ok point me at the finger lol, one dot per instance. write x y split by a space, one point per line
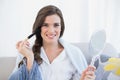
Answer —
26 41
26 44
91 73
83 74
91 68
18 44
88 77
21 44
91 77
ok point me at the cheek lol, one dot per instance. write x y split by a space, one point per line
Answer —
43 30
58 31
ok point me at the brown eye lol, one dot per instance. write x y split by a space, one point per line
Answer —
56 25
45 25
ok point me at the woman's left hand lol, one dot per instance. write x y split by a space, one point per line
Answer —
89 73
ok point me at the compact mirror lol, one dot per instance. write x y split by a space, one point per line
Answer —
97 42
96 45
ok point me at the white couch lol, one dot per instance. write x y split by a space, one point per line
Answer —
7 63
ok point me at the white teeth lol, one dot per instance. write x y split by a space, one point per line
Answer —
50 36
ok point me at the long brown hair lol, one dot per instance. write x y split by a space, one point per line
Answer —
42 14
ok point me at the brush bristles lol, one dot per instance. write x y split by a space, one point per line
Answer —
33 34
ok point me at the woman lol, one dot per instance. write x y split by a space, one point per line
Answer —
50 58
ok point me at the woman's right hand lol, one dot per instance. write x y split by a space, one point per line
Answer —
24 48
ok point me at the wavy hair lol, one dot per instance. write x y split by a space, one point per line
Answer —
40 18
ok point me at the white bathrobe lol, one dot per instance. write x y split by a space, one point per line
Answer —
75 55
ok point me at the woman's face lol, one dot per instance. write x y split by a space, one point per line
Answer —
51 28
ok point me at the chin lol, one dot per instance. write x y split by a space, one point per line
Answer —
51 41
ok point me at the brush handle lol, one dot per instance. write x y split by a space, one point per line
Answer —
31 35
94 58
37 31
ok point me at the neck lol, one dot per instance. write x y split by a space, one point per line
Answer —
52 50
51 46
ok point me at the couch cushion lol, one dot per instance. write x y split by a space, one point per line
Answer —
7 65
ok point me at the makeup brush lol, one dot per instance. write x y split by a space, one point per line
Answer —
36 32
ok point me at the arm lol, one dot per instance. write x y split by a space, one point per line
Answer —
29 69
22 73
25 50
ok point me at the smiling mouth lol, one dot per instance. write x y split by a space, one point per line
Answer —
51 36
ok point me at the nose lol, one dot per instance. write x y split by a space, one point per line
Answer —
51 29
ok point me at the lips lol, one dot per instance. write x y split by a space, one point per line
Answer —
51 36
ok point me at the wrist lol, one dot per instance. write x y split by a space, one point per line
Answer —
30 60
30 56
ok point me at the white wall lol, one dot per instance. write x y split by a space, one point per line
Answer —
17 18
82 17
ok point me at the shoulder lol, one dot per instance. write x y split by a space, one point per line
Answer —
72 51
70 46
75 55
